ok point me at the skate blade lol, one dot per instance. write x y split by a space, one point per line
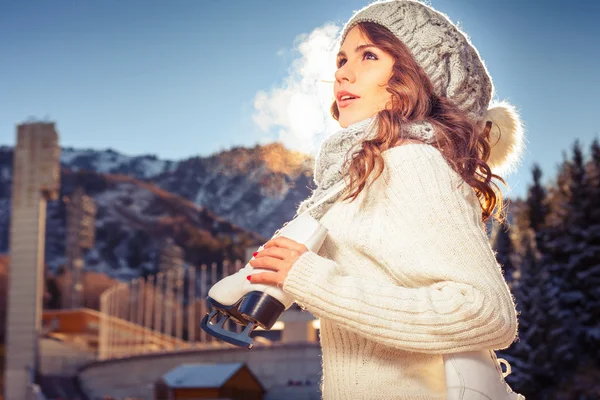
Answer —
217 330
232 311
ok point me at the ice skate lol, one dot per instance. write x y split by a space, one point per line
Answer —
250 304
477 375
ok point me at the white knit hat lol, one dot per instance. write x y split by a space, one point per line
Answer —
454 67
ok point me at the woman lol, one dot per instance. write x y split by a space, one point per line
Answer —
406 273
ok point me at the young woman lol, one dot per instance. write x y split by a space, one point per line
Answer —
406 273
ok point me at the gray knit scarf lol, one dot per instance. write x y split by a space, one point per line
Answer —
330 160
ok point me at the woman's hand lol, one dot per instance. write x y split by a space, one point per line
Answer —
279 254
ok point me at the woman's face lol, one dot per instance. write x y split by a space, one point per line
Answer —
361 78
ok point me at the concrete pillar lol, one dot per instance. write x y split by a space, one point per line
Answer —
36 179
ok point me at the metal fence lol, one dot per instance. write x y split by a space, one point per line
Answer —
161 312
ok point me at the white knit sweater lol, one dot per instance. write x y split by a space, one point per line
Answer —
406 273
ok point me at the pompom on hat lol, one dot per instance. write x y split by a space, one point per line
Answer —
454 67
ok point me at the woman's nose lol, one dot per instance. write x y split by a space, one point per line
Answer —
345 73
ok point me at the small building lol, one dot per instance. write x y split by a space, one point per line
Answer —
232 381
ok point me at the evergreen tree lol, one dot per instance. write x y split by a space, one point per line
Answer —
558 290
504 248
541 330
537 209
541 333
572 259
590 275
576 228
556 250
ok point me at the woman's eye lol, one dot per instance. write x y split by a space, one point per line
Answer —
369 56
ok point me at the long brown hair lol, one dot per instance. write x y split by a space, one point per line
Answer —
460 140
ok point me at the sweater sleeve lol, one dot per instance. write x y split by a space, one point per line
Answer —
448 293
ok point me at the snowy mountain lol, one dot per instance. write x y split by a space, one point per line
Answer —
212 206
256 188
109 161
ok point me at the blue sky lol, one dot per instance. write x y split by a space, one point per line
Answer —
182 78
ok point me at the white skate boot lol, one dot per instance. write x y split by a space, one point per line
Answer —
251 304
477 375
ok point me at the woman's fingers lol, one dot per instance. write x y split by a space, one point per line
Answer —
275 252
278 255
267 278
282 241
266 262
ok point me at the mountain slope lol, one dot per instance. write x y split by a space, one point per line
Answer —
212 206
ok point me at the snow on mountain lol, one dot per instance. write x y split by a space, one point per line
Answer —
212 206
109 161
257 188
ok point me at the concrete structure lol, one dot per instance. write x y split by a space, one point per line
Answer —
287 371
81 234
36 179
298 327
62 358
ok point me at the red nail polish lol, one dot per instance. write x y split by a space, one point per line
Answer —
248 277
254 254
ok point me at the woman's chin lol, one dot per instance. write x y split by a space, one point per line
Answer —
346 122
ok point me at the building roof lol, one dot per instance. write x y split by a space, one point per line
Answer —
205 375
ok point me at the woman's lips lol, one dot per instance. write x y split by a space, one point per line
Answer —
345 103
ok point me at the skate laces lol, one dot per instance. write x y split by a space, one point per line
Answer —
499 362
508 369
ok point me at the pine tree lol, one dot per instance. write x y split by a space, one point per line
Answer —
590 277
523 378
536 202
541 333
576 226
558 292
572 259
504 248
556 250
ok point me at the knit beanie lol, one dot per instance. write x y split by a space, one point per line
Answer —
454 67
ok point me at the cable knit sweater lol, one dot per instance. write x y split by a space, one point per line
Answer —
406 274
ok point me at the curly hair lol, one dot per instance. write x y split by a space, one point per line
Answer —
463 142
